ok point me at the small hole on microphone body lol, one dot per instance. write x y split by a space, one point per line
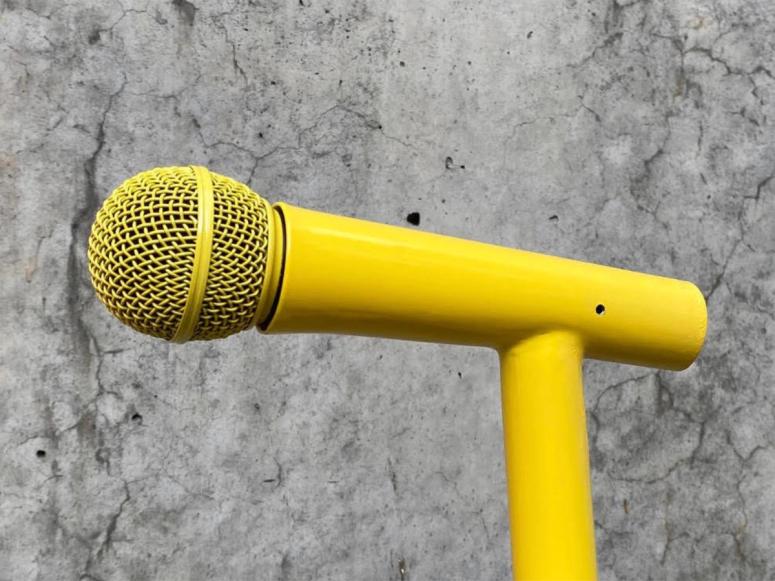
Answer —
600 309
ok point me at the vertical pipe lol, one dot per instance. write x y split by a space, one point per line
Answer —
547 461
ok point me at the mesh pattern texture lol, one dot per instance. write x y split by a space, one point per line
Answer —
142 245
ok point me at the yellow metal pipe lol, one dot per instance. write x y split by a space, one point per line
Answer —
343 275
542 313
547 463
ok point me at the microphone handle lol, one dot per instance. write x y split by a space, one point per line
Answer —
349 276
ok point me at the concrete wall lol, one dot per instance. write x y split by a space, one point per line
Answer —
631 133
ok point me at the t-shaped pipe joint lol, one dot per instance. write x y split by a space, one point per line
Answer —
543 314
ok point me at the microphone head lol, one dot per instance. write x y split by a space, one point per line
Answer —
182 253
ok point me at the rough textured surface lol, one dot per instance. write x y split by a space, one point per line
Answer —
632 133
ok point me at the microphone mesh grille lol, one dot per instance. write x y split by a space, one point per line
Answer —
141 253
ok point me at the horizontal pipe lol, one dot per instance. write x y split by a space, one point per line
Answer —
349 276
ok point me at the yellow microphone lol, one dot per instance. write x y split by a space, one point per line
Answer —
183 253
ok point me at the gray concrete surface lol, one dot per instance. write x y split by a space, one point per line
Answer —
632 133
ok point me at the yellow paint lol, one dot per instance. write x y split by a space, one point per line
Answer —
202 253
315 272
543 314
183 253
547 466
274 263
343 275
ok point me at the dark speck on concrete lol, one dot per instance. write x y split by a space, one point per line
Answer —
94 37
554 218
449 163
413 218
402 63
187 10
530 34
285 568
159 19
40 453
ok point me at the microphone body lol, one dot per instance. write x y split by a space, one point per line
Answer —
349 276
182 253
